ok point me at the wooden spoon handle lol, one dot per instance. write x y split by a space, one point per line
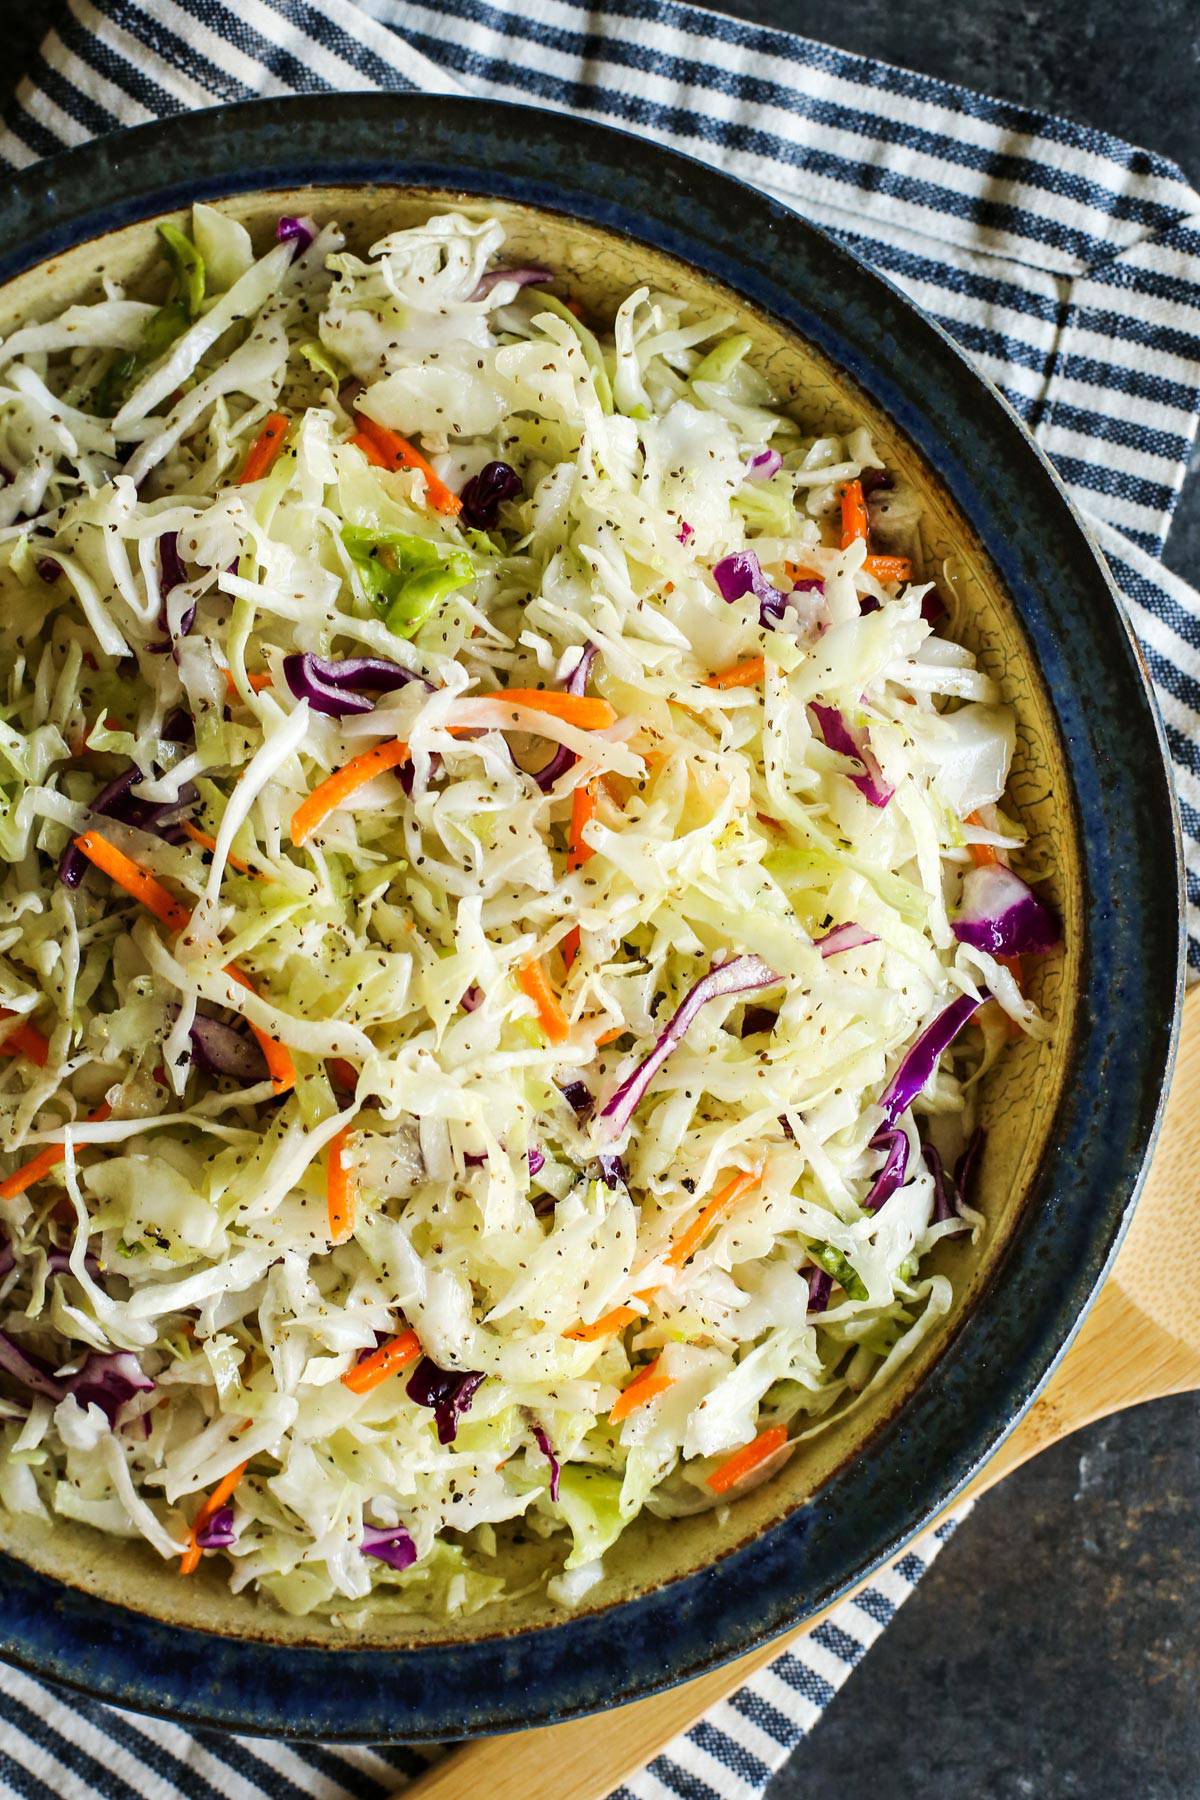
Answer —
1121 1356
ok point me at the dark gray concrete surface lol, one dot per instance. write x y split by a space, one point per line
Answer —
1054 1650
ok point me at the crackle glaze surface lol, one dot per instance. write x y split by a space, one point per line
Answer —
1069 1121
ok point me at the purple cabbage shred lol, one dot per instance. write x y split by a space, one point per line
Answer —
449 1392
483 495
391 1544
543 1443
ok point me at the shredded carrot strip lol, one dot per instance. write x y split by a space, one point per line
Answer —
339 1188
798 572
584 710
396 1354
694 1236
607 1325
743 1461
743 674
570 948
395 452
265 448
24 1040
856 520
256 683
337 788
280 1066
609 1037
45 1160
133 878
535 982
362 442
210 843
208 1510
583 810
642 1389
982 855
889 568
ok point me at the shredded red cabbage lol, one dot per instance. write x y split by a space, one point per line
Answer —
968 1163
579 1097
223 1050
536 1159
1003 916
529 276
543 1444
741 574
840 736
741 975
946 1198
115 801
30 1371
329 686
391 1544
171 574
922 1059
763 465
109 1382
685 534
844 937
298 231
483 495
564 759
612 1170
895 1167
820 1286
48 568
218 1533
448 1391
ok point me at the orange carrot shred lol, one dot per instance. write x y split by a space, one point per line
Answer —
337 788
280 1066
607 1325
694 1236
210 843
982 855
743 674
133 878
889 568
583 810
256 683
609 1037
747 1459
340 1188
396 1354
395 452
265 448
24 1040
798 572
535 982
586 711
45 1160
208 1510
642 1389
856 520
570 948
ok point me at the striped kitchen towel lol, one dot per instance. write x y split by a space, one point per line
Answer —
1067 264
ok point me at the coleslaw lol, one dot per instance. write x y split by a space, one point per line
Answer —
507 900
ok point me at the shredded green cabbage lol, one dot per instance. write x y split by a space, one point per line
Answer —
155 611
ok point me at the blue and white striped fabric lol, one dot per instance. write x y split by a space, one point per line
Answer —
1066 262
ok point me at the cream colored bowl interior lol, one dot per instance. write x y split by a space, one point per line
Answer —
1021 1097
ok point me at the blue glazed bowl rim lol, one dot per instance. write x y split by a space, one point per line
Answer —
1131 973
